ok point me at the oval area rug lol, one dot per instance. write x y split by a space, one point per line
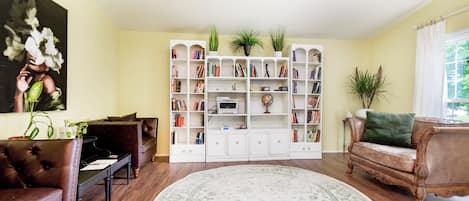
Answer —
259 183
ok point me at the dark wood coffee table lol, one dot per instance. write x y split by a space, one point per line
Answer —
87 179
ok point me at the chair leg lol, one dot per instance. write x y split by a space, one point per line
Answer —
420 194
136 172
153 159
349 167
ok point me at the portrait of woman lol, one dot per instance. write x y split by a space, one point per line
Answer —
33 49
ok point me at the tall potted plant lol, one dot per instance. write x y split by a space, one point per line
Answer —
278 42
213 42
246 40
367 87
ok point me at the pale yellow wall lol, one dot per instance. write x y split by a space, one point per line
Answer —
144 77
395 50
92 69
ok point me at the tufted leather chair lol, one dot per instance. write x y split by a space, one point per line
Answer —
39 169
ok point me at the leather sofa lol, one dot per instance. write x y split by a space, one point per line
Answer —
438 162
39 169
138 137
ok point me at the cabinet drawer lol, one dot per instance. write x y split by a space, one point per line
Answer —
216 145
258 145
279 144
237 145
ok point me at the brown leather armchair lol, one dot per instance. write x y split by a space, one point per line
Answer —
138 138
438 163
39 169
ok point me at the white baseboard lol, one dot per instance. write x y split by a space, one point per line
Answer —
162 155
333 151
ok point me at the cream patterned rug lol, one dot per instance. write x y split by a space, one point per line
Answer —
259 183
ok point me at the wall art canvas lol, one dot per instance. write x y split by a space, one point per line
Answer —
33 49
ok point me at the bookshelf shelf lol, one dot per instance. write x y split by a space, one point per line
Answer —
187 101
269 92
271 114
227 115
306 107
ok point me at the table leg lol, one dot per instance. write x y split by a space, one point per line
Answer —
108 187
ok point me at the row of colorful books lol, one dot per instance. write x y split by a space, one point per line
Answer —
313 117
313 102
253 70
316 88
316 73
178 105
283 71
214 69
313 135
199 71
175 85
199 53
199 87
240 70
199 105
294 118
199 139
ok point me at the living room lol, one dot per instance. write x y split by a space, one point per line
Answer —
118 60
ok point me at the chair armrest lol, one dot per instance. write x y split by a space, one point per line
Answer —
119 137
442 156
151 123
357 128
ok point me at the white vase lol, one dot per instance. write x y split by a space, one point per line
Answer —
278 54
361 113
212 53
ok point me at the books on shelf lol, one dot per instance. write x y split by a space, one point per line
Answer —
294 118
178 105
199 105
173 54
200 71
316 88
199 53
283 71
175 71
313 102
267 73
199 139
315 73
178 120
293 102
253 70
295 73
293 55
313 135
240 70
313 117
176 86
199 87
295 135
295 86
214 69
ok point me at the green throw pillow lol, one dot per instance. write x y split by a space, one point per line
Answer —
393 129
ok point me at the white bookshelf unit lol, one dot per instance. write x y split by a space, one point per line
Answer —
306 101
250 133
187 101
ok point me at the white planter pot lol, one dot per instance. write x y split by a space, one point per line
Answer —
361 113
278 54
212 53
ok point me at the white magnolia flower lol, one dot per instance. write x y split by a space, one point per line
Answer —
48 53
31 18
14 45
33 49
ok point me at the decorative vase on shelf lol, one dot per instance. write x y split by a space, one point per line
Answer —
361 113
247 50
278 54
212 53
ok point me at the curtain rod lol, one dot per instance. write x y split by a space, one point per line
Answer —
438 19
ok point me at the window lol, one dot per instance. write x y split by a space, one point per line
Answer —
457 72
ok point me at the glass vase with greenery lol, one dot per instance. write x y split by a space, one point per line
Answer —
246 40
213 40
367 87
278 41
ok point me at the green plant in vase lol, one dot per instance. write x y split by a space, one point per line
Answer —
33 97
246 40
367 87
81 129
213 41
278 42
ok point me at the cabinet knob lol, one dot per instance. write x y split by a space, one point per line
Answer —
259 142
190 151
278 141
237 142
217 143
184 150
309 148
304 148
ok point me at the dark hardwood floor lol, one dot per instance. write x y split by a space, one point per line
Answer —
158 175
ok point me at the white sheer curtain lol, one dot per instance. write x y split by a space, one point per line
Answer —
430 78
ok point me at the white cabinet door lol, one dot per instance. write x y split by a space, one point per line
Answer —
237 145
258 144
216 145
279 144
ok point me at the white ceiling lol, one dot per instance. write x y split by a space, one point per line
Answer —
340 19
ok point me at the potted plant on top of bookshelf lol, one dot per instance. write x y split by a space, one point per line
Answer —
213 42
278 42
246 40
33 130
367 87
